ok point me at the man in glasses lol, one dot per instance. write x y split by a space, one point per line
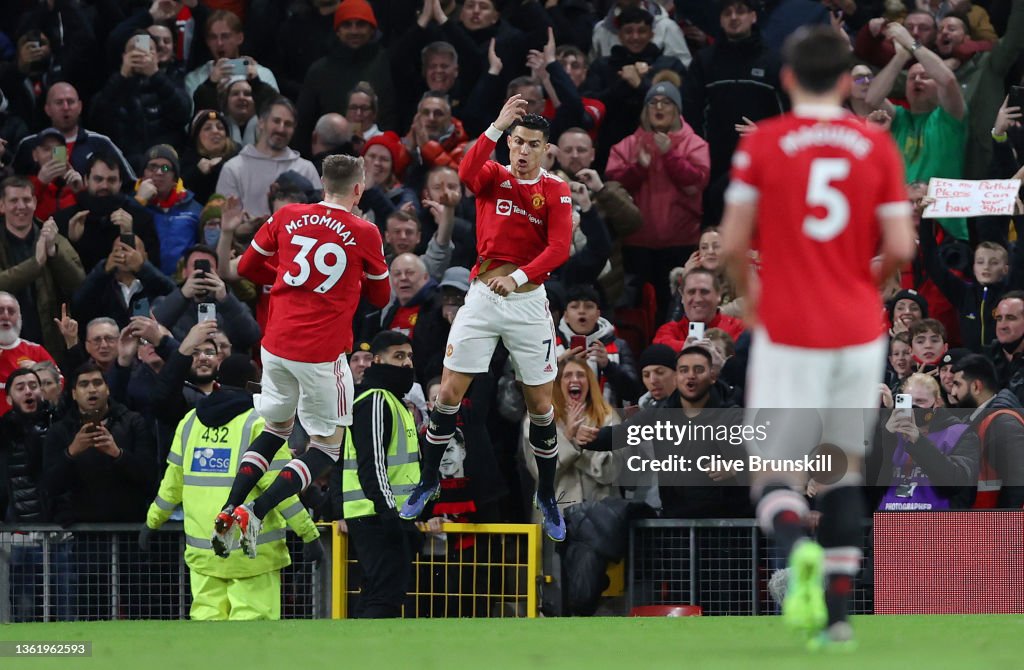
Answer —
174 208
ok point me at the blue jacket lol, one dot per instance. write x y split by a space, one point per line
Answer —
178 229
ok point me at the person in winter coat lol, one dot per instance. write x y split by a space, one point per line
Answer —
140 105
608 355
1001 433
665 166
354 57
580 476
622 79
210 147
208 446
101 454
995 272
736 77
174 208
667 35
932 462
249 175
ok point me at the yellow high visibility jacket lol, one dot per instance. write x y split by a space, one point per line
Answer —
201 467
402 456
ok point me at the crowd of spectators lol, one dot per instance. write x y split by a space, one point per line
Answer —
143 143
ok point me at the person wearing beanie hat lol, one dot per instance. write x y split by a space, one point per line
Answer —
209 147
174 208
353 12
209 221
236 588
658 372
664 165
355 56
905 309
609 356
385 162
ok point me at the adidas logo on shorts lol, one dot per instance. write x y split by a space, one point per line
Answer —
506 184
548 368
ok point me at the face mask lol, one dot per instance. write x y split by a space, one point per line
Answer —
211 236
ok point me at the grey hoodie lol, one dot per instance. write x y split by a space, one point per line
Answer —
250 174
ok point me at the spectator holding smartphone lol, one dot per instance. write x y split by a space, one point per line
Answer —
179 310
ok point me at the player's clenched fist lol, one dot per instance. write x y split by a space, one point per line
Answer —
502 285
514 109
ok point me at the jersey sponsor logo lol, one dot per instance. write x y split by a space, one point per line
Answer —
507 208
565 200
211 460
506 184
538 201
449 350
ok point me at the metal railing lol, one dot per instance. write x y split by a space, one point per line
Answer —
97 571
475 570
723 565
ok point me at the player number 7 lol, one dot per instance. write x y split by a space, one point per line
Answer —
821 193
332 271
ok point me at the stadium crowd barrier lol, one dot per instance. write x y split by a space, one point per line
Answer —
98 572
914 562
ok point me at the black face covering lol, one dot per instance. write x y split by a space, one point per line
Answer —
397 380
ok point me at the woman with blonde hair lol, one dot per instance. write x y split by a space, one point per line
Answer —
929 458
580 475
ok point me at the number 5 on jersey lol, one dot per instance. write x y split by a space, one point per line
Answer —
821 193
332 271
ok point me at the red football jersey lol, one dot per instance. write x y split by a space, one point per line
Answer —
321 252
527 223
19 355
821 179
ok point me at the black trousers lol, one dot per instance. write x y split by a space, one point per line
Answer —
385 559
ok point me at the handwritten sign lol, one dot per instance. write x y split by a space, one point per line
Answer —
956 198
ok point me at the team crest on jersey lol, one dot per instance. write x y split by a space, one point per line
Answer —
412 319
449 350
538 200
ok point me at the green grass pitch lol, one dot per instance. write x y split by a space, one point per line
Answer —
733 643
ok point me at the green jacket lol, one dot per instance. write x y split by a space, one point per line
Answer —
52 284
201 467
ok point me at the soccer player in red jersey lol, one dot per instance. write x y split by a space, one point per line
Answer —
523 224
320 258
819 194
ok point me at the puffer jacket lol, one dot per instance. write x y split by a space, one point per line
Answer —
22 496
667 191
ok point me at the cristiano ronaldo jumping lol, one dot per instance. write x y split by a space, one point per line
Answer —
524 222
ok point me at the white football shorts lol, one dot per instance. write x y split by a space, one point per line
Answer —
522 322
322 393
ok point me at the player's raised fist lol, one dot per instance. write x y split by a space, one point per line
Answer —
514 109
